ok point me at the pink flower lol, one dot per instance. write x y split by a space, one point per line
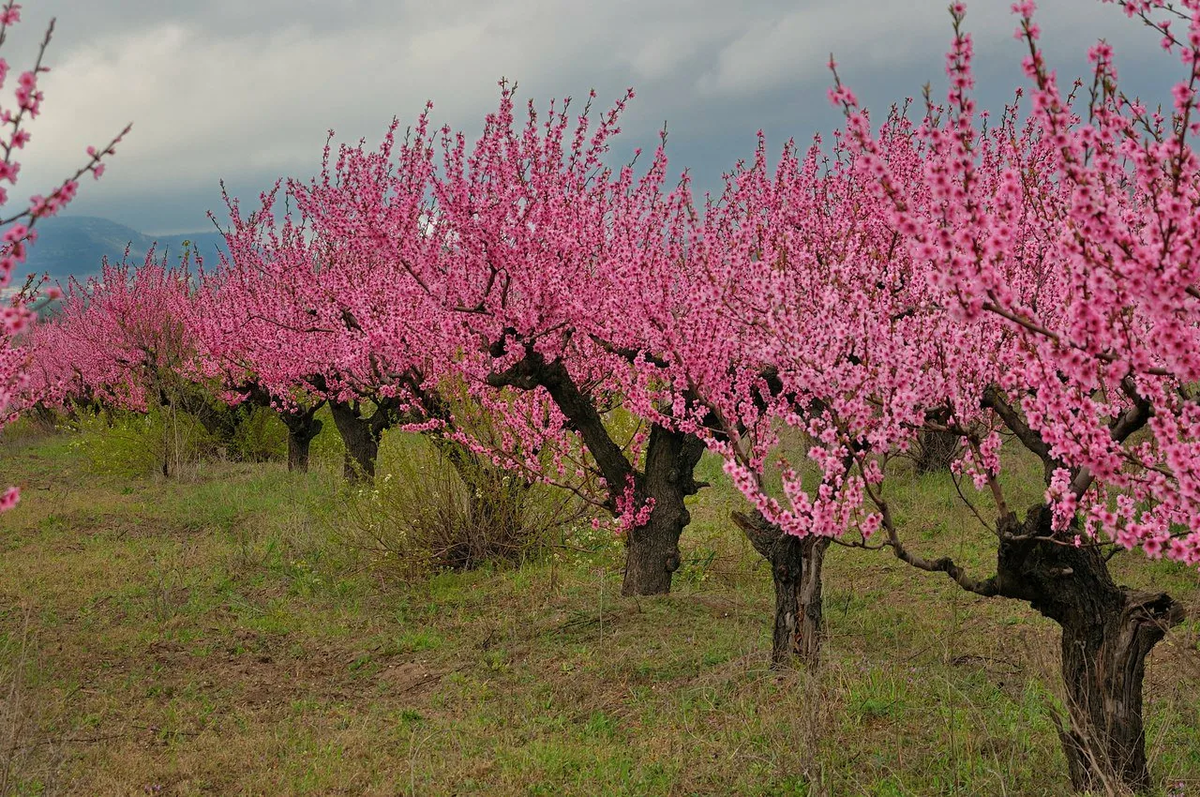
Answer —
16 232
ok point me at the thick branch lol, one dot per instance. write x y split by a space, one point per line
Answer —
987 588
628 354
1121 429
533 371
994 399
763 534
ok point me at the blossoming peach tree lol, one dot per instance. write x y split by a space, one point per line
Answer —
498 265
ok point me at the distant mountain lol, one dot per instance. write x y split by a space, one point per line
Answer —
75 245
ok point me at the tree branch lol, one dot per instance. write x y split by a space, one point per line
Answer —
995 400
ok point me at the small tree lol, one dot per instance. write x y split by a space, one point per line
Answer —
504 261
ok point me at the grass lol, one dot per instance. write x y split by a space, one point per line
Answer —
214 634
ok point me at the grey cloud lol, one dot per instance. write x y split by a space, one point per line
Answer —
246 90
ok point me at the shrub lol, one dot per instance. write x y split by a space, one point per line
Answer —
259 436
120 443
424 513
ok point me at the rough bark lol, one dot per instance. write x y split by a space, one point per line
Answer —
361 435
299 420
302 429
1107 633
796 570
652 551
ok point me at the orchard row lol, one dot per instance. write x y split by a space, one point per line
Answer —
1030 276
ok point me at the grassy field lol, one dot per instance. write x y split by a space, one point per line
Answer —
217 634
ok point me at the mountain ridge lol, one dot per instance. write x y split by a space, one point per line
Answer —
75 246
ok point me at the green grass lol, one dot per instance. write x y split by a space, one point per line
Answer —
213 634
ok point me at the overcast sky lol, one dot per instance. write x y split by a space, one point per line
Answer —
246 89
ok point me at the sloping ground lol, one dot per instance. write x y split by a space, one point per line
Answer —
216 636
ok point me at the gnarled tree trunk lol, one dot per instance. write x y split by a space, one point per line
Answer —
652 551
1107 633
796 570
361 436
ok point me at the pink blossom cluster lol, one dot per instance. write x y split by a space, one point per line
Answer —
1028 275
968 274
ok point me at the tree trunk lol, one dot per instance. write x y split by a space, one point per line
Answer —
1107 632
298 452
361 439
652 550
796 570
302 429
1104 662
300 421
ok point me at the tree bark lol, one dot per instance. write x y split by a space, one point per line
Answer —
299 420
652 551
361 436
1107 633
796 570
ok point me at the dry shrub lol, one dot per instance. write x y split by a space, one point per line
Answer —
933 451
436 507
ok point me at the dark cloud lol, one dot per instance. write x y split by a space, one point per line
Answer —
246 90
